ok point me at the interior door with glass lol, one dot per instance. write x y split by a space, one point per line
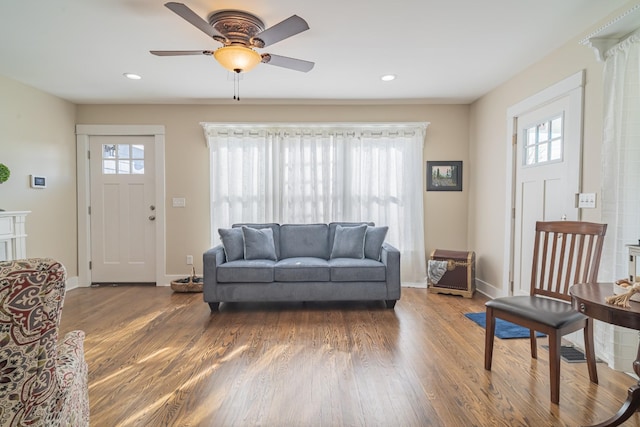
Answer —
122 209
548 157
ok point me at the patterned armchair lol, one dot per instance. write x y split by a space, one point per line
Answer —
42 382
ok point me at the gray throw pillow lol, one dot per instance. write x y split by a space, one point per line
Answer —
373 240
232 242
258 243
349 242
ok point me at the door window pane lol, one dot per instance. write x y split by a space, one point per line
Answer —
122 159
138 166
108 151
543 142
108 167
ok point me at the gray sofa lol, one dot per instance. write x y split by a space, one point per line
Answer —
302 262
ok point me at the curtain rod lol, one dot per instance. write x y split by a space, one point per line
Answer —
317 125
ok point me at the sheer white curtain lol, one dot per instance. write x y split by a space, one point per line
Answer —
322 173
621 156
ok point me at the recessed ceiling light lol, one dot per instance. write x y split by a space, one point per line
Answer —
388 77
132 76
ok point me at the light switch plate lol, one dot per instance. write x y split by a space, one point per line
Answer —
587 200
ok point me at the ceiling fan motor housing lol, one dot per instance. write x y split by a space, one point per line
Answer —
237 27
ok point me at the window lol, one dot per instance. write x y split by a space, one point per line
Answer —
543 142
122 159
319 174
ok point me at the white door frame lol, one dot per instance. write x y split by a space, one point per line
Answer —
83 135
547 95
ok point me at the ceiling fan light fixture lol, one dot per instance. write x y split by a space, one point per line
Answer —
237 58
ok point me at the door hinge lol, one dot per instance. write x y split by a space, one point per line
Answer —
89 210
514 139
89 155
513 213
90 265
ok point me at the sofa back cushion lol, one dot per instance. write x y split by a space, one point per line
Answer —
304 240
273 226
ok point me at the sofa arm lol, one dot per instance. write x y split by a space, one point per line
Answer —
390 257
211 259
72 374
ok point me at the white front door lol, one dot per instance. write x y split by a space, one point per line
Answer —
547 179
123 205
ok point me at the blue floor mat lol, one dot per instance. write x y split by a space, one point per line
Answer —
504 329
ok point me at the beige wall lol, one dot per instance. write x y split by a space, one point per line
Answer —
187 160
37 136
489 141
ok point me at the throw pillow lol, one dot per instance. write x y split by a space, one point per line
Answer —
373 240
258 243
349 242
232 242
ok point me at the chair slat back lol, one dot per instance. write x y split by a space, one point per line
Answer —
565 253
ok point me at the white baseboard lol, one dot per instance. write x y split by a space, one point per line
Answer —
72 283
489 290
421 285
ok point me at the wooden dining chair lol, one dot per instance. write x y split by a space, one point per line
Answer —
565 253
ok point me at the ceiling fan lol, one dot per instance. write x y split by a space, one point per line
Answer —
240 32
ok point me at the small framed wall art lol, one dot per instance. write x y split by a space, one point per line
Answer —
444 175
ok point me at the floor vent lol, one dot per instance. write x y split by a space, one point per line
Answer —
571 354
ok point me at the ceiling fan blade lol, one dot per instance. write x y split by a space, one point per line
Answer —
285 29
194 19
286 62
180 52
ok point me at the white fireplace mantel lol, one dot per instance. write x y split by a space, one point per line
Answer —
13 237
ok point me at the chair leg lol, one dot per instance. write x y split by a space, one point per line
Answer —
490 331
589 351
554 365
534 344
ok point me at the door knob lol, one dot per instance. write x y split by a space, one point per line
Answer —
152 217
152 207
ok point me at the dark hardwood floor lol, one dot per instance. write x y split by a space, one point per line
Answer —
158 358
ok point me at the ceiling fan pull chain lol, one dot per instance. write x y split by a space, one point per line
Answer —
236 84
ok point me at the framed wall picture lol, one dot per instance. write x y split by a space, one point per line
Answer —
444 175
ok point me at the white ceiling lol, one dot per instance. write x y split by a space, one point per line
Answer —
441 50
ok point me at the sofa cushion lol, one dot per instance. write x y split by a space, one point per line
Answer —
258 243
334 225
246 271
232 242
373 240
302 269
349 242
357 270
272 225
304 240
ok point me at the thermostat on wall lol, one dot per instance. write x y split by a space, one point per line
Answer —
38 181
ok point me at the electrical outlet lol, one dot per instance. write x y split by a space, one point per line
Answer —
179 202
189 259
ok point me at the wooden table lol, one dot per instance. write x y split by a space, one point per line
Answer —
589 299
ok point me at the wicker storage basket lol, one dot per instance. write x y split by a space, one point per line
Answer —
190 284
